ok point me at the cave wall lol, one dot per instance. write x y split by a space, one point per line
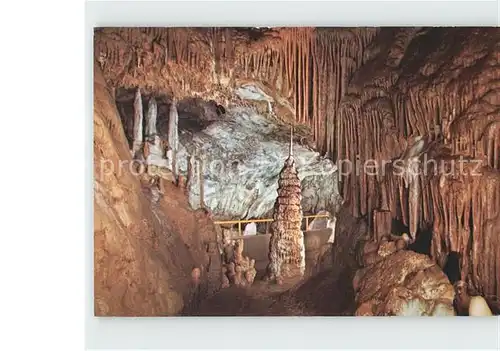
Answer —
143 252
440 84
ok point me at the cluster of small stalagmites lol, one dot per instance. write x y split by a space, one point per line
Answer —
237 269
399 282
287 240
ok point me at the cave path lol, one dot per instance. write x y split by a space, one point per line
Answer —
308 297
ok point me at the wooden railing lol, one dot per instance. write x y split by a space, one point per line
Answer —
265 220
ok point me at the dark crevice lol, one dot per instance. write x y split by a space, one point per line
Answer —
452 267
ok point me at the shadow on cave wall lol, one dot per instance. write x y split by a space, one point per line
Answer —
423 245
424 237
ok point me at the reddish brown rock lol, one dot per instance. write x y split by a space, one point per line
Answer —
181 182
225 279
386 248
137 256
366 309
404 283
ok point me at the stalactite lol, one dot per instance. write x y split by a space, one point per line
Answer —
138 117
173 137
151 118
307 56
191 172
313 84
229 49
335 77
288 63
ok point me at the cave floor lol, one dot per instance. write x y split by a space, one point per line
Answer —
266 299
260 299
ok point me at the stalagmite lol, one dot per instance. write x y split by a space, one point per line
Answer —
475 306
413 204
193 182
138 117
331 225
478 307
237 269
286 247
191 171
151 119
173 137
201 176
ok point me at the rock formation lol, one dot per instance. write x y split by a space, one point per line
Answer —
470 305
243 158
402 283
142 264
138 117
237 269
332 225
286 247
416 81
307 68
173 138
151 120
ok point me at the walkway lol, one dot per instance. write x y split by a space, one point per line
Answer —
305 219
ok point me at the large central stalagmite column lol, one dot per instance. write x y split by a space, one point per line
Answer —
286 247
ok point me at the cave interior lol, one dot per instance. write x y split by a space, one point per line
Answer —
352 96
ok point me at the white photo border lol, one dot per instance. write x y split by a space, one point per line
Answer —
275 332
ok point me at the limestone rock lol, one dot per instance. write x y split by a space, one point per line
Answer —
468 304
387 248
365 309
403 283
244 156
